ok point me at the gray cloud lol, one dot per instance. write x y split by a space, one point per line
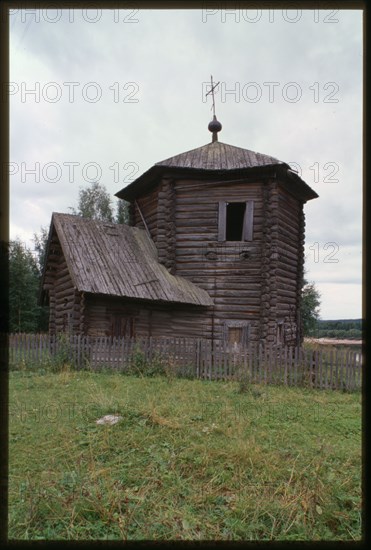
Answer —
168 55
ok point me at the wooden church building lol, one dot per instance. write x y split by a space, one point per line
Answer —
214 249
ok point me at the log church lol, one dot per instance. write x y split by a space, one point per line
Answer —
214 249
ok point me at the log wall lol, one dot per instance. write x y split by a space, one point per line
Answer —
166 225
148 207
257 282
104 314
290 264
65 302
268 268
229 271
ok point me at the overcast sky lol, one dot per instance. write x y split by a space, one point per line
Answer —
103 95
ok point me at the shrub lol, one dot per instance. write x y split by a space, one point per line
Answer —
141 367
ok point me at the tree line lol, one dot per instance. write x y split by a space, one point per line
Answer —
26 267
341 328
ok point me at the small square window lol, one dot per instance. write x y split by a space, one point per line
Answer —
236 333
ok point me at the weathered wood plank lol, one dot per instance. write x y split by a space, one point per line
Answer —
222 211
290 366
248 221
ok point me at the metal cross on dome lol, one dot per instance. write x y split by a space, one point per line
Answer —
211 91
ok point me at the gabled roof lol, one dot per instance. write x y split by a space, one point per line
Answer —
119 260
215 159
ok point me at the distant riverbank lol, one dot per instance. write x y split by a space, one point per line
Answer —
327 341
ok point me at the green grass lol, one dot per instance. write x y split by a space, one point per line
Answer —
190 460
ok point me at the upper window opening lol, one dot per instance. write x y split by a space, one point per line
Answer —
234 223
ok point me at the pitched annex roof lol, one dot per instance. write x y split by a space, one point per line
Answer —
119 260
215 158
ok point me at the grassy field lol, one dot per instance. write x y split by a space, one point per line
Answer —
189 460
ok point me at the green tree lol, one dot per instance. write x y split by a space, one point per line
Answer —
122 211
94 203
40 241
310 307
24 311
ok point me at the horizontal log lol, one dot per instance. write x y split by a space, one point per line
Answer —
206 268
223 307
288 294
235 296
63 304
63 298
55 257
289 218
285 310
149 201
63 277
288 247
285 285
288 268
64 285
185 245
63 273
209 196
289 202
235 267
288 235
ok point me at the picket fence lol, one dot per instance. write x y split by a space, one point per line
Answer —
325 368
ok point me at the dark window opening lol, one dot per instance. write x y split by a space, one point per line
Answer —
235 221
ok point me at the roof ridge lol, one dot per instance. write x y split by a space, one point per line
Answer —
83 219
197 158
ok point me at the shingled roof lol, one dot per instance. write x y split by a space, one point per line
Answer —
210 160
219 156
119 260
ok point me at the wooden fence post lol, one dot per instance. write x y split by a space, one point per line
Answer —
201 358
